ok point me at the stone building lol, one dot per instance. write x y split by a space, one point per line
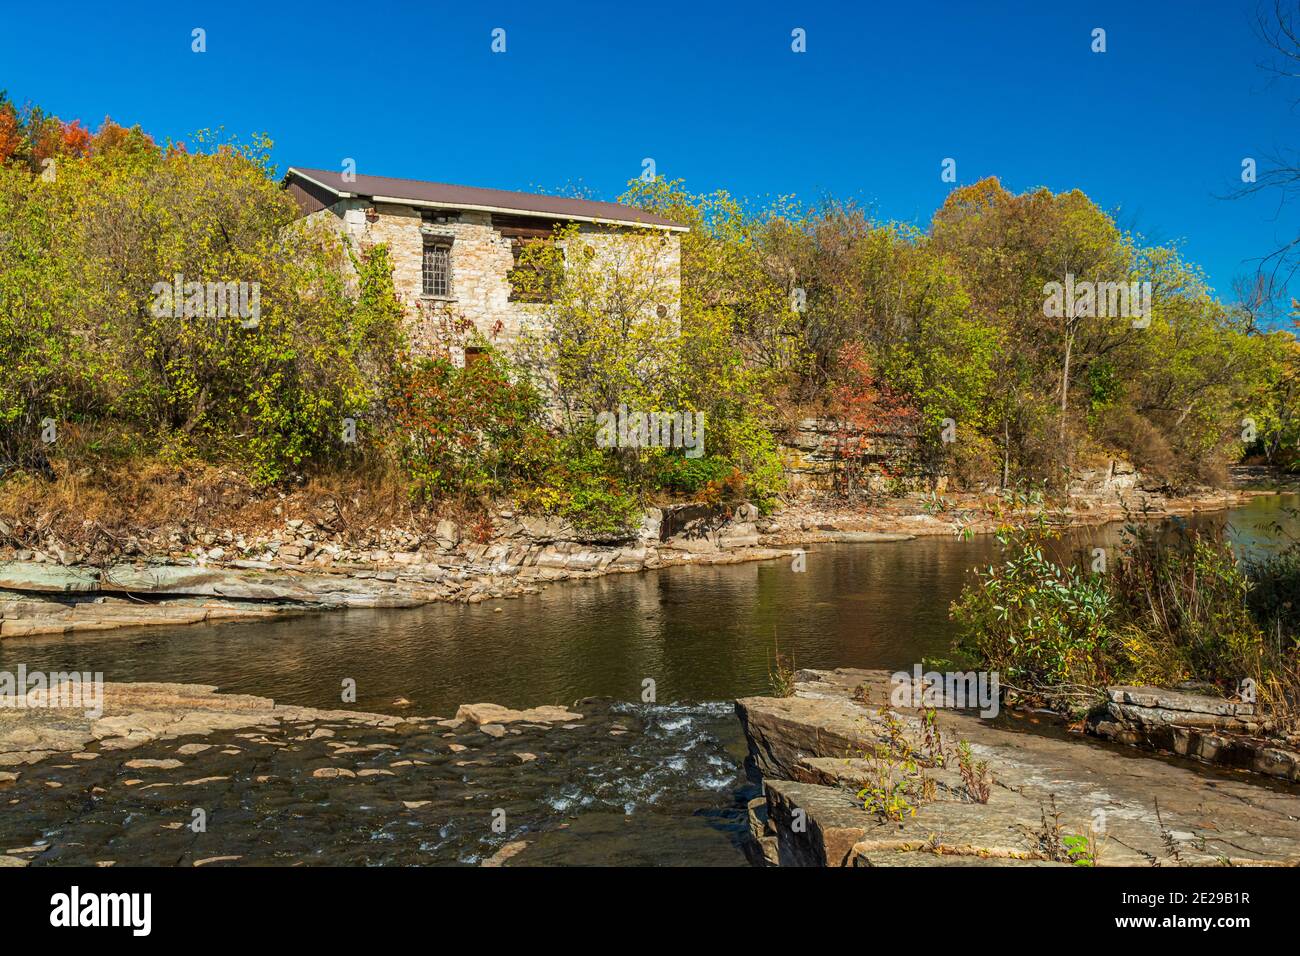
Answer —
455 248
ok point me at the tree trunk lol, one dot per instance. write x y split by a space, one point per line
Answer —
1065 392
1006 449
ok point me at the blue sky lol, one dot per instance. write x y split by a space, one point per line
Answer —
1155 128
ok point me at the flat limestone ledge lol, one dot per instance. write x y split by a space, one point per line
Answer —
821 719
1165 717
815 751
1161 699
285 585
1266 756
42 599
27 615
804 525
835 831
867 537
1261 755
134 714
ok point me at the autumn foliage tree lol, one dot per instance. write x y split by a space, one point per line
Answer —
867 413
11 133
955 317
773 313
32 137
84 342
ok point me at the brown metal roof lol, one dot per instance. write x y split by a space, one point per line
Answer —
445 195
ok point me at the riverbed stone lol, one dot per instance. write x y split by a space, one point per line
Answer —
153 764
135 714
506 853
481 714
329 773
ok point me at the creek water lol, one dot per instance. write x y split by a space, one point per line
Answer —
651 783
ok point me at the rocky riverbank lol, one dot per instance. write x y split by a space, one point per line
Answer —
1027 794
302 568
196 573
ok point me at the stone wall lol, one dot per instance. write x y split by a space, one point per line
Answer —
481 259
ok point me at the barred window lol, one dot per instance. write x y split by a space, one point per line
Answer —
436 270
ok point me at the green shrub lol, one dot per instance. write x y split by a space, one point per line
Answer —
583 484
689 476
1274 599
470 431
1174 606
1181 608
1037 624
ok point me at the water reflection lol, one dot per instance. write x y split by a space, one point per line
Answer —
701 634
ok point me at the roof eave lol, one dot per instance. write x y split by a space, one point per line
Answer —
473 207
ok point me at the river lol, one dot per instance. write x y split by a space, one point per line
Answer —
670 790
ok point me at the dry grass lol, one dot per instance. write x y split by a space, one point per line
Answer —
96 506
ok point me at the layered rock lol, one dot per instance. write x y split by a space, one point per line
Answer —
818 749
304 569
1203 727
814 447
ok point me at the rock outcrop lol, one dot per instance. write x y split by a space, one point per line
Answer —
1199 726
1052 798
303 569
813 448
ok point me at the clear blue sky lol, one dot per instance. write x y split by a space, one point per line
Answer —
1155 128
